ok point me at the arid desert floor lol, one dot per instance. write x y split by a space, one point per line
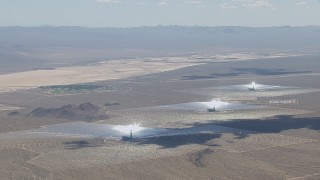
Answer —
76 131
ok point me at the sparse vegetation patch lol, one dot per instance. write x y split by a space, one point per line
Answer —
74 89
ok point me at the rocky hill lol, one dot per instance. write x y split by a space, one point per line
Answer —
85 111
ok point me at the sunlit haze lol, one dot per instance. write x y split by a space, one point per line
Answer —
129 13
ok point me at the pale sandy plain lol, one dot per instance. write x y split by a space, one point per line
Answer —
8 108
114 69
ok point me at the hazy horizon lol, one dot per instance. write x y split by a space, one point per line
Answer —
137 13
155 26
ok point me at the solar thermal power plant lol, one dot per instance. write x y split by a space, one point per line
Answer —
159 90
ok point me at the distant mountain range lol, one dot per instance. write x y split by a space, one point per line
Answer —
161 37
34 48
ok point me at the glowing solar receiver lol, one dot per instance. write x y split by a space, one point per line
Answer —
129 129
252 88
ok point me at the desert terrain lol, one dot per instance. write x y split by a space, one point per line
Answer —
69 122
169 102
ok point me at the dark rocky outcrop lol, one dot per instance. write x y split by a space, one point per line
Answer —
85 111
112 104
13 113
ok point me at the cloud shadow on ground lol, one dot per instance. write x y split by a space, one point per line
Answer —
180 140
246 128
243 71
80 144
274 125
